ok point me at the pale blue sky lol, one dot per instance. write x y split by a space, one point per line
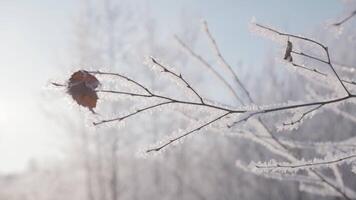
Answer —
36 34
228 20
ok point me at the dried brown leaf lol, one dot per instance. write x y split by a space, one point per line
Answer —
81 86
288 53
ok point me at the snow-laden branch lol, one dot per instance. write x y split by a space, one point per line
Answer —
316 163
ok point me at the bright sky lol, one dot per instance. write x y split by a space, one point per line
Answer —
35 36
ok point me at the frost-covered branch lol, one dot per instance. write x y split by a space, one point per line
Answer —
240 84
320 73
308 69
223 60
309 164
123 77
133 113
171 100
325 48
283 146
241 114
210 68
313 69
179 76
229 112
302 116
232 110
188 133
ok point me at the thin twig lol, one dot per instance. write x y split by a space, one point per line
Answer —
123 77
133 113
165 69
188 133
289 107
302 116
320 73
58 84
237 80
306 165
335 187
124 93
315 70
345 19
325 48
176 101
222 59
306 68
310 56
336 74
210 68
291 35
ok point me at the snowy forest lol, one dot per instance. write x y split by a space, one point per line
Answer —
152 113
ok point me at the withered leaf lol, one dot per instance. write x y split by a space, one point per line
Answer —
288 55
81 86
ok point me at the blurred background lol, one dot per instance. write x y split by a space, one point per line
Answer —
48 146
